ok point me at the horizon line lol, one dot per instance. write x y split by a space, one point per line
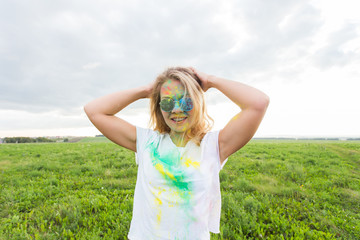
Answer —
257 137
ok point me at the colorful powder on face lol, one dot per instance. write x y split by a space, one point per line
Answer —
170 89
175 90
186 125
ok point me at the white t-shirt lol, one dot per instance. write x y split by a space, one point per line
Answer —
177 193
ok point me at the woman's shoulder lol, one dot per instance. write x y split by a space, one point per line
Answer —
147 132
210 136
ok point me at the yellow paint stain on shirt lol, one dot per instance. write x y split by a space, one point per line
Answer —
158 201
158 216
175 193
174 196
160 168
188 162
161 190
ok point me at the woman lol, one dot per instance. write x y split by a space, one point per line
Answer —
177 193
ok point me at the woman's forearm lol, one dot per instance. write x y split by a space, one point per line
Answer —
115 102
241 94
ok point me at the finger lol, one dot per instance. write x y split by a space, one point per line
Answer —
193 69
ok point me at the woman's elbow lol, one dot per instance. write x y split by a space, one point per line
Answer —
263 103
88 111
266 101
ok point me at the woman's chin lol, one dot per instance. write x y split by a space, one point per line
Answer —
179 128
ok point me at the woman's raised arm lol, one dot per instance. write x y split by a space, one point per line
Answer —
242 127
101 113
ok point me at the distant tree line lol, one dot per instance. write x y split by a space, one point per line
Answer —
26 140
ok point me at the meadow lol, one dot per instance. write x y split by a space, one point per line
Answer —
270 190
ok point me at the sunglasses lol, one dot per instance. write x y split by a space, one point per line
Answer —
168 104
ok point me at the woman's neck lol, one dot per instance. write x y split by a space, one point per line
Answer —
179 139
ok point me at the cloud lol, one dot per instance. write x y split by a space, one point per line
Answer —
334 52
61 57
57 56
21 120
275 29
91 65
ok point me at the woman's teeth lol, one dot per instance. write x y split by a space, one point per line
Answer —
178 119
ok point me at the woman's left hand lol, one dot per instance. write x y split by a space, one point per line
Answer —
204 78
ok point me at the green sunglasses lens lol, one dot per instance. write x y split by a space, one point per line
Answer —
167 104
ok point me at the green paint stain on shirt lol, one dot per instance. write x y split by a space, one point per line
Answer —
169 165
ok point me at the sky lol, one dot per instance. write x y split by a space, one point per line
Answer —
56 56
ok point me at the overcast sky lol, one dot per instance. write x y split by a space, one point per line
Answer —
55 56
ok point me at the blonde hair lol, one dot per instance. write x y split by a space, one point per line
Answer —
202 121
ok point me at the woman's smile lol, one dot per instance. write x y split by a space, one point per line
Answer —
179 120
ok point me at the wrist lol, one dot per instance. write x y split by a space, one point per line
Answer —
212 81
145 91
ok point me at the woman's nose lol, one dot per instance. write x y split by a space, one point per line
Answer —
177 107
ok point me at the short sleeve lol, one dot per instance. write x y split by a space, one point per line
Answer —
142 136
213 140
218 150
212 153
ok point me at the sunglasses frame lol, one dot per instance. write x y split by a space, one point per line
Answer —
179 102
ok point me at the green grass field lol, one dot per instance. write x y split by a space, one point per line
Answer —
270 190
